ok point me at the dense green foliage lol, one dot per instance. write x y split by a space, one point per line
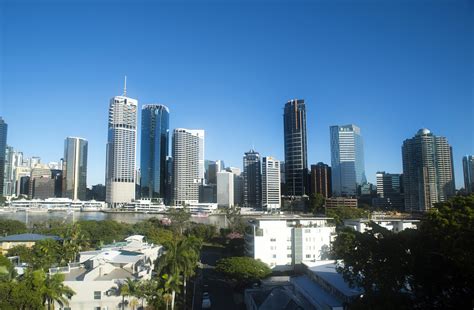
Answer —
343 213
316 203
428 268
243 270
11 227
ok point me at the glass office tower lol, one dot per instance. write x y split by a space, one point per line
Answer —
154 151
75 168
347 160
296 163
3 146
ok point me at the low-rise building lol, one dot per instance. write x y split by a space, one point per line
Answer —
320 287
97 276
285 241
335 202
27 240
395 225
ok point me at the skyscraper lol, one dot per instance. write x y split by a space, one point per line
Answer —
188 169
389 191
252 180
154 150
468 169
347 160
428 174
321 180
238 185
75 168
8 179
121 150
225 189
3 145
296 163
271 195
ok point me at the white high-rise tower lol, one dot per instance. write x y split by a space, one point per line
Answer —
188 165
121 150
271 195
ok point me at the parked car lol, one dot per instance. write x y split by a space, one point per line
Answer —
206 301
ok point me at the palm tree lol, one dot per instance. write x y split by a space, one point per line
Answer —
180 259
54 291
172 283
74 243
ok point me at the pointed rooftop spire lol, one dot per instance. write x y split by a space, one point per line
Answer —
125 87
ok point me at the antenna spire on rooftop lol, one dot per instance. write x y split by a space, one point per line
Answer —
125 87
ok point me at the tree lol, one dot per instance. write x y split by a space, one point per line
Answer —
243 270
54 290
316 203
343 213
428 268
128 288
234 219
73 242
12 227
179 219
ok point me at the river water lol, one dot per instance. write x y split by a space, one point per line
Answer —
29 218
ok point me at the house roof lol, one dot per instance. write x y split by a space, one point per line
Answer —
27 237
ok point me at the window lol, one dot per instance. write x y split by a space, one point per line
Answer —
308 255
97 295
288 255
307 230
273 239
274 256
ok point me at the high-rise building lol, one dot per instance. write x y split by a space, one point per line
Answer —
321 180
75 168
468 169
188 169
8 179
389 191
57 176
3 146
252 180
238 185
428 174
41 185
121 151
225 189
296 163
347 160
271 195
154 150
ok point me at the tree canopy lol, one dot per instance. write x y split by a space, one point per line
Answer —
431 267
243 269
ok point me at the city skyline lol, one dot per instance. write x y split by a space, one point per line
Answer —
335 91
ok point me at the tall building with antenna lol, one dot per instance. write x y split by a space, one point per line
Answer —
121 150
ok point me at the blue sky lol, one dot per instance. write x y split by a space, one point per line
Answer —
390 67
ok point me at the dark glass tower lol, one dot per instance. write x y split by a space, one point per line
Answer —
296 163
154 150
3 145
252 180
75 168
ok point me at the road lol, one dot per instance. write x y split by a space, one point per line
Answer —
220 291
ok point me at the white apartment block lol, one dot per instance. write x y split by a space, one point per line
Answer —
97 276
225 189
285 241
271 187
121 151
395 225
188 165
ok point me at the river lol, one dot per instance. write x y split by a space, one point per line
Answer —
29 218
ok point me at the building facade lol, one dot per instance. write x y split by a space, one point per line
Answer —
252 180
428 174
271 195
321 180
154 151
468 170
238 185
225 189
296 162
389 191
284 241
121 151
187 174
75 168
8 179
3 146
347 160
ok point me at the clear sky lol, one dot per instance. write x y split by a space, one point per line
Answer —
390 67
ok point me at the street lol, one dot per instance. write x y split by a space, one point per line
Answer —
220 291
